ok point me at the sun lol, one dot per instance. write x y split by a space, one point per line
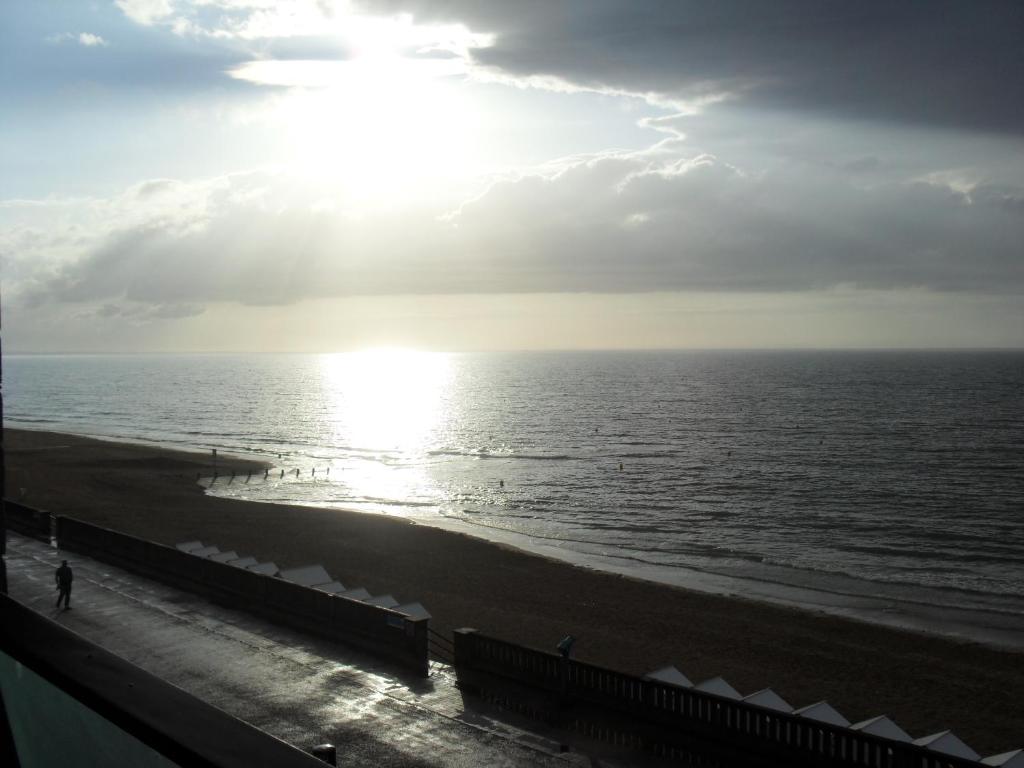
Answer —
386 124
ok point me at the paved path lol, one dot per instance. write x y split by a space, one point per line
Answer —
301 689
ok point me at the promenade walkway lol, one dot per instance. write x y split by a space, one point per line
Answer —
299 688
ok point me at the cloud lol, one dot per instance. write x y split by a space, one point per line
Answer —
615 222
947 63
86 39
146 12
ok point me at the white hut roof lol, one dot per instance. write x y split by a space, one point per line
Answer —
204 551
947 743
768 699
223 557
670 675
823 712
1012 759
243 562
334 587
413 611
719 687
267 569
384 601
355 594
882 726
307 576
188 546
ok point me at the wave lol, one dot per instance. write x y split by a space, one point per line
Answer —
484 453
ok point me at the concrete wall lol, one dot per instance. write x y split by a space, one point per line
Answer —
379 631
34 523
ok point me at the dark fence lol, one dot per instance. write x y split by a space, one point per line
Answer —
34 523
789 738
377 630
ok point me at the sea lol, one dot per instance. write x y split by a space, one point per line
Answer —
882 486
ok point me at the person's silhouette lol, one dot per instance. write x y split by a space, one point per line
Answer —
64 577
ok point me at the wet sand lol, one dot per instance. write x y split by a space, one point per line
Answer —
925 683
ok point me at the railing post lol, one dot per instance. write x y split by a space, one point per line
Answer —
420 643
464 644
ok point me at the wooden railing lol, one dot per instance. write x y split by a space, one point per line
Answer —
790 738
380 631
28 521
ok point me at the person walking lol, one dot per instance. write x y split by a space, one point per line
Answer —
64 577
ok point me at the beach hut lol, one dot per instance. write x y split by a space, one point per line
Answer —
768 699
719 687
823 712
267 569
947 743
204 551
334 587
223 557
243 562
413 611
384 601
671 676
306 576
188 546
355 594
1011 759
883 727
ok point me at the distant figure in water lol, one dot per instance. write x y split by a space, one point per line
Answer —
64 577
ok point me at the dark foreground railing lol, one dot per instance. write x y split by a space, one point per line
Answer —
66 701
785 738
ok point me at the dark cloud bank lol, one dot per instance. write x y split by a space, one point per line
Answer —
956 63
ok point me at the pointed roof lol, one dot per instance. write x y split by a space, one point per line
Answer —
670 675
881 726
768 699
384 601
719 687
947 743
334 587
267 569
1012 759
413 611
188 546
355 594
223 557
243 562
204 551
307 575
823 712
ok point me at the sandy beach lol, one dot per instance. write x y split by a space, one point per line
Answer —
925 683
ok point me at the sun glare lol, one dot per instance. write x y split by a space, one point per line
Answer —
386 399
386 123
385 127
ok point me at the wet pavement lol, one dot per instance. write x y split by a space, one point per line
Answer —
299 688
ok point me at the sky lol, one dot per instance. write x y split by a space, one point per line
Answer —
325 175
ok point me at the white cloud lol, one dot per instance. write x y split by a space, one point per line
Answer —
86 39
90 40
146 12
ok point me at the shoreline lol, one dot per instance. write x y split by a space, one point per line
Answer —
881 603
925 682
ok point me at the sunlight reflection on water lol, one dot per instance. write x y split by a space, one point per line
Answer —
393 402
